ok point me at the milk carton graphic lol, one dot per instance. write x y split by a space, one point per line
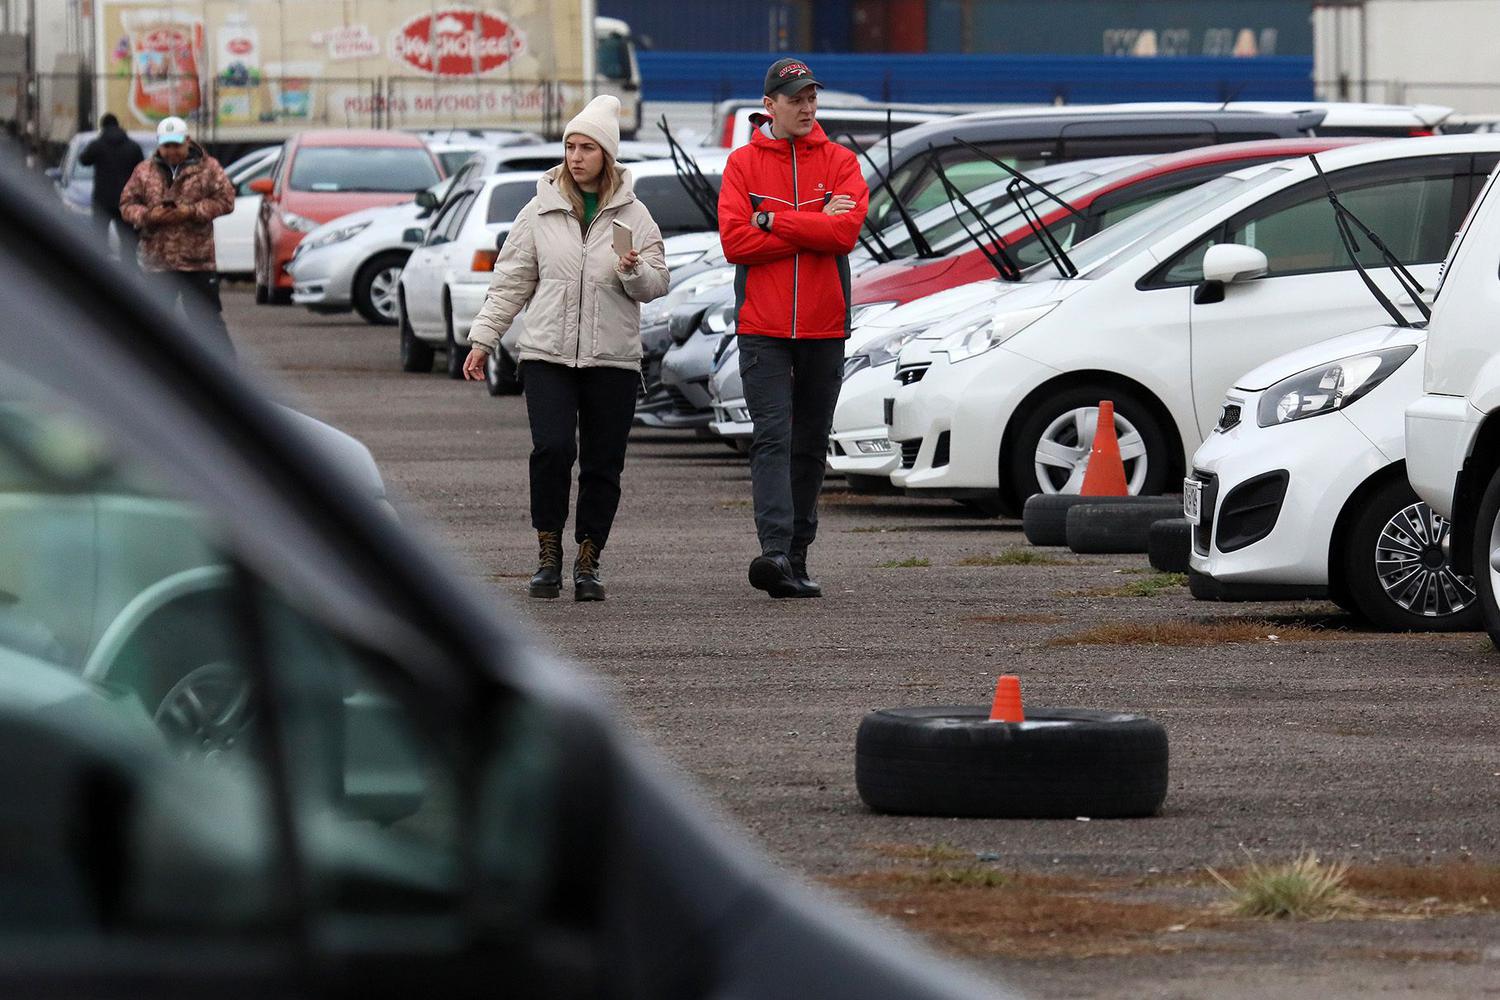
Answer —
166 48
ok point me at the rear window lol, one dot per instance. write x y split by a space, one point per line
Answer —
670 205
507 200
363 168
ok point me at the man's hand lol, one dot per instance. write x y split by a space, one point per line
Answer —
474 364
839 204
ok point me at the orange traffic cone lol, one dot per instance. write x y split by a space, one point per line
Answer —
1007 704
1105 474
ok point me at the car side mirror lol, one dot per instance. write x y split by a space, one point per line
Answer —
413 235
1231 262
262 185
426 200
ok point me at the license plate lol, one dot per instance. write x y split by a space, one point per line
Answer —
890 412
1192 500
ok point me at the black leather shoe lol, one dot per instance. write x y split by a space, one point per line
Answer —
586 583
806 585
773 574
547 582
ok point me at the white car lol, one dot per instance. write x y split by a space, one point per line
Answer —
1453 429
1301 491
234 234
1167 310
443 284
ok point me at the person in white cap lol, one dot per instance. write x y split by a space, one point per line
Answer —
172 199
583 255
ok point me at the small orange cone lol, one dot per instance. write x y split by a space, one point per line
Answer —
1007 704
1105 474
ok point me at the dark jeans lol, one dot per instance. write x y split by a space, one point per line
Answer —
198 294
791 387
581 414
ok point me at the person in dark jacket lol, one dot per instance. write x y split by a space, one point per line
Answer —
113 154
790 207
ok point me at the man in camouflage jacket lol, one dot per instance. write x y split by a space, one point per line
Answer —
172 199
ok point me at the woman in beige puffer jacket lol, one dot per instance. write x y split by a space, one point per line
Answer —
580 353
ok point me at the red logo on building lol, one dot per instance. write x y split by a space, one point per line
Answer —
457 41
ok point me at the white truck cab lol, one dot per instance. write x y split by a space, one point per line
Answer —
1453 430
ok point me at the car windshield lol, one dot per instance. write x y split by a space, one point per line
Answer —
363 168
613 55
1172 213
452 159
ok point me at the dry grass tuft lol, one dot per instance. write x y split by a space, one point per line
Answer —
1304 888
1147 586
1187 634
916 562
1019 619
1013 557
1463 884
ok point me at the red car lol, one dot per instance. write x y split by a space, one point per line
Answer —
325 174
1102 198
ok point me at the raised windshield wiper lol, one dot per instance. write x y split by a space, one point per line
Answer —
999 258
691 177
1345 221
1050 244
918 241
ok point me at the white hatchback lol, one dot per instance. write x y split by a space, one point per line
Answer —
1168 308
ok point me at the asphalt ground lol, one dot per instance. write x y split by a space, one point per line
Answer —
1292 727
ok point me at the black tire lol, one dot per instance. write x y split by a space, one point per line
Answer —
456 355
1117 527
367 301
1019 476
1487 538
1390 572
866 485
983 506
952 761
500 375
1203 587
262 294
1169 543
416 355
1044 520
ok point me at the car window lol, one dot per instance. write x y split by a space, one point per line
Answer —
75 171
453 159
670 205
363 168
921 189
612 53
445 225
507 200
1123 210
242 188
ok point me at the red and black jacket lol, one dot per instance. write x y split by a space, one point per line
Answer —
794 280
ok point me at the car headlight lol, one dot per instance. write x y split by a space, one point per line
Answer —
883 350
984 334
294 221
675 260
866 311
1328 387
333 236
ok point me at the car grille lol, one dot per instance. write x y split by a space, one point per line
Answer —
909 450
1203 531
911 375
680 403
1229 416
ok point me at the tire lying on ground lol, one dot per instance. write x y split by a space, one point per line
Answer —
1060 763
1044 518
1169 543
1117 527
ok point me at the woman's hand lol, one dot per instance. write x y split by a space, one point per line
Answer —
628 262
474 364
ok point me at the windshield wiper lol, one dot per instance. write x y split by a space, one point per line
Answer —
1051 246
999 258
1345 221
918 241
698 188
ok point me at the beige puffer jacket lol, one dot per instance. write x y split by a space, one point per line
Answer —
583 313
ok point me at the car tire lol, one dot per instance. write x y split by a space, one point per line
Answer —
1062 419
416 355
262 294
1394 564
866 485
1062 763
1486 542
375 287
983 506
206 712
500 375
1203 587
1169 544
1096 528
456 355
1044 519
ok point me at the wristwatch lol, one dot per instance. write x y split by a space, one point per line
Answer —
763 221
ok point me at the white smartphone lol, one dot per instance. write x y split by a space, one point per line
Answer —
622 238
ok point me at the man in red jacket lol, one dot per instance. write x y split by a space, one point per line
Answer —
790 206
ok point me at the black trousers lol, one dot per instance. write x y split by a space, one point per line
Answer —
583 415
198 294
791 388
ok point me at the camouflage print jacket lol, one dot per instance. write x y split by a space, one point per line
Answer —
200 186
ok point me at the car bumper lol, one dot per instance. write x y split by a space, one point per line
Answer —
860 442
318 279
949 425
1324 459
732 419
1439 433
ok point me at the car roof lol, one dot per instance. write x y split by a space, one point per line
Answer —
1255 149
711 162
83 138
358 137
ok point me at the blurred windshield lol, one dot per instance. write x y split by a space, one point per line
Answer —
363 168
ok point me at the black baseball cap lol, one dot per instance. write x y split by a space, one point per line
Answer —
789 76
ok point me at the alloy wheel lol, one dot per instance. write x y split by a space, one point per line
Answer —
207 712
383 291
1062 453
1413 568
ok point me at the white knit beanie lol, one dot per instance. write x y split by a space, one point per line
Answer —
600 121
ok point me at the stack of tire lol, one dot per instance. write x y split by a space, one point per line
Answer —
1152 525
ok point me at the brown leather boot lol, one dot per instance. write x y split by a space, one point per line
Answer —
547 582
586 583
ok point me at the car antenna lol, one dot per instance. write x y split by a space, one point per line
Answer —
691 177
999 258
1346 222
1234 95
918 241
